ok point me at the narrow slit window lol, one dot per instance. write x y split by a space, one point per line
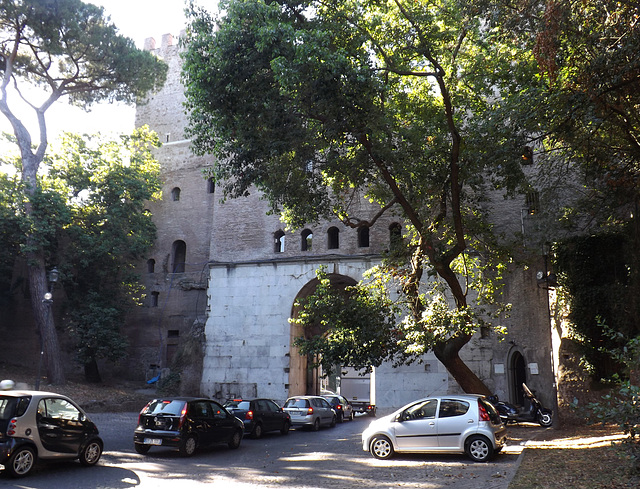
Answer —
307 240
179 253
333 238
278 242
363 237
155 296
151 265
175 194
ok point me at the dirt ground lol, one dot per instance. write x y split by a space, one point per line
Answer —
109 396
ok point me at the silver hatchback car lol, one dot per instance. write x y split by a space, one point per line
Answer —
310 412
441 424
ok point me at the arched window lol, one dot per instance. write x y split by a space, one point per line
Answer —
151 265
333 238
278 241
211 186
175 194
179 253
395 236
307 238
363 237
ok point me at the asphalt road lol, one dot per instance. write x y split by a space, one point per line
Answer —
329 459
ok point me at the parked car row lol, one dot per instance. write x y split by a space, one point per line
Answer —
40 425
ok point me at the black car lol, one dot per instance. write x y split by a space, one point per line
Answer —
341 406
260 416
38 425
186 423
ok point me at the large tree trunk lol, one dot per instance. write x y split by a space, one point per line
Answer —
38 282
448 354
38 286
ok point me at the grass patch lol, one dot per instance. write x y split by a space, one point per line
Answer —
575 467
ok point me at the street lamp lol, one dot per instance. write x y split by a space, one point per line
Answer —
48 300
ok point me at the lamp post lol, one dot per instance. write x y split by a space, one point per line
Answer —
48 300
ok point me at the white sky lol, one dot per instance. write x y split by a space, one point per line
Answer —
137 19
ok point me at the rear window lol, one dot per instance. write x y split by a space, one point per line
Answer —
244 405
13 406
299 403
166 407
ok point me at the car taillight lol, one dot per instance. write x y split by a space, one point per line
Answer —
309 411
11 428
249 415
338 406
483 414
183 416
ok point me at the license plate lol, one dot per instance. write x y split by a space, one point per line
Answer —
152 441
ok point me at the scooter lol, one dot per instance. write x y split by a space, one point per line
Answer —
535 413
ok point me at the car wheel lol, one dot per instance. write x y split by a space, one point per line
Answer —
479 449
21 462
142 449
188 446
381 447
545 419
351 416
236 438
316 425
257 431
340 417
333 421
285 428
90 454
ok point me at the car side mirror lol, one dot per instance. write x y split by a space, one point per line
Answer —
398 418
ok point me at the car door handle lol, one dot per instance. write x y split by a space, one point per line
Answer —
432 423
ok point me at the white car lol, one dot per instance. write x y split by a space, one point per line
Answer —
440 424
310 412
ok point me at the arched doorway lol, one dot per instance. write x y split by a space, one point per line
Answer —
304 379
518 376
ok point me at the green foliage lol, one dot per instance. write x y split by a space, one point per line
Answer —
582 106
622 407
69 47
354 326
323 105
599 275
105 185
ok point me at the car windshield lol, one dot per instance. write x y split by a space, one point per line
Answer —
300 403
243 405
167 407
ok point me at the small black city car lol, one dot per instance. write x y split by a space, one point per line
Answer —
37 425
260 416
186 423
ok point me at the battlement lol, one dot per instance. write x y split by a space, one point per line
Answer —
167 42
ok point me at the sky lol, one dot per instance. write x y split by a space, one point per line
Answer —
138 20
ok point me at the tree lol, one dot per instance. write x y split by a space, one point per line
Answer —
70 50
320 103
583 115
106 185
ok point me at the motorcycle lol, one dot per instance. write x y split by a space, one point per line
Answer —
535 413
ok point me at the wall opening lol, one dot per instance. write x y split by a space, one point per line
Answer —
363 237
333 238
307 240
175 194
278 241
517 376
304 379
179 253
